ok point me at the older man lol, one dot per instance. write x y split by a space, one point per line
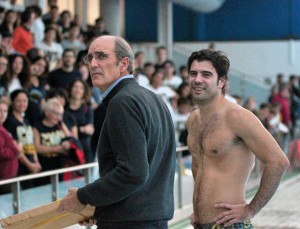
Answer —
136 151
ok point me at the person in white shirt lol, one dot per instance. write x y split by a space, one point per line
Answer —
53 50
38 26
156 85
73 42
171 79
139 59
11 5
18 73
141 78
148 70
168 94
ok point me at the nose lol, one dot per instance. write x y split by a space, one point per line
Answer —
94 62
198 78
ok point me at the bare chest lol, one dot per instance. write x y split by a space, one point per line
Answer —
211 137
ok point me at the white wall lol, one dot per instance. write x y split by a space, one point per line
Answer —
258 59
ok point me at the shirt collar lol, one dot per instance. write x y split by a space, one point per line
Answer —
106 92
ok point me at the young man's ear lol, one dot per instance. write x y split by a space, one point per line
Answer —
223 83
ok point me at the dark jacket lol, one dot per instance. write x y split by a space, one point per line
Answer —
136 155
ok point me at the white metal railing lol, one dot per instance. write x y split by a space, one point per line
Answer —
54 176
181 212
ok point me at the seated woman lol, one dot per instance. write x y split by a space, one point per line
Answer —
79 94
9 151
21 130
48 135
3 73
18 73
68 117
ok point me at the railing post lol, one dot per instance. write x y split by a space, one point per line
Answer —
16 190
87 175
87 178
54 186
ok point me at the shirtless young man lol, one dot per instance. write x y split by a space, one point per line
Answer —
224 139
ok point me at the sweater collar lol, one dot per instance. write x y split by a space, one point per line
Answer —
116 89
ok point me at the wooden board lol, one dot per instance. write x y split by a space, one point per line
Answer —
46 217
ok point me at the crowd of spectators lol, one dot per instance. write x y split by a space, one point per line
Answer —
48 102
280 114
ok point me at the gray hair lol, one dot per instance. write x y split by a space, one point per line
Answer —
51 104
123 49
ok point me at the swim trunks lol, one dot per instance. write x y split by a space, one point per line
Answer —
242 225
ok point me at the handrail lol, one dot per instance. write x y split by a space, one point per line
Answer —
64 170
48 173
16 188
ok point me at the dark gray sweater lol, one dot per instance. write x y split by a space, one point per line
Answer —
136 155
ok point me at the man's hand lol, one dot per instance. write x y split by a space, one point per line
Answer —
235 213
88 222
192 219
70 202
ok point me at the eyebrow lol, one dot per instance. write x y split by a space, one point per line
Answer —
206 72
202 72
100 52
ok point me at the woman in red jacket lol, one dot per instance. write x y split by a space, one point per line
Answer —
9 151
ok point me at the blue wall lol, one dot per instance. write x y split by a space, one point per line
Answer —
248 20
235 20
141 20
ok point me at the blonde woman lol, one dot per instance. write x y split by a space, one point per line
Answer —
48 135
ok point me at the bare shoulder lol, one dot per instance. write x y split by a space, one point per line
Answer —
241 119
236 113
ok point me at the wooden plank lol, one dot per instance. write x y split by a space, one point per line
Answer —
45 217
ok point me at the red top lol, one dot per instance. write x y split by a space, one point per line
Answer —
8 156
285 108
22 40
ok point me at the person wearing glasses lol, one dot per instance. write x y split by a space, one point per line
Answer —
136 149
48 135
